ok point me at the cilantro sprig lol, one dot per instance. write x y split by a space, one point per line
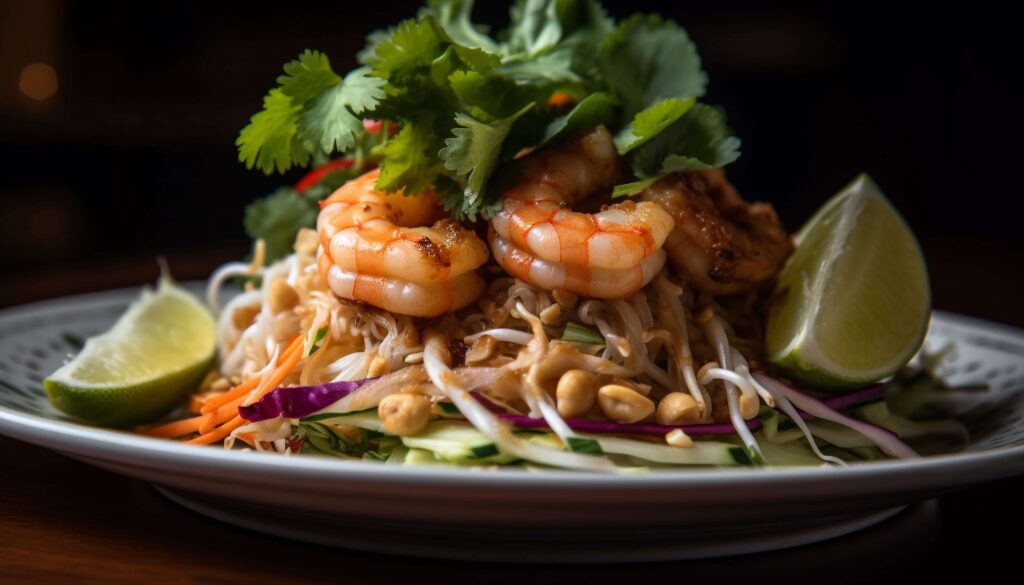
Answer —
313 111
466 101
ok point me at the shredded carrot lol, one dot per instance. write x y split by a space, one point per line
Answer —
211 404
220 416
285 368
292 357
218 433
196 401
229 396
223 409
171 430
294 346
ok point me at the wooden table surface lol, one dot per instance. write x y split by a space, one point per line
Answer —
64 521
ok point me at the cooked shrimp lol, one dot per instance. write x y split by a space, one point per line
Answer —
721 243
375 248
537 237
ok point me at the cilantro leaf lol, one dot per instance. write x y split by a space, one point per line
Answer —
595 109
584 17
648 59
550 69
556 41
456 200
473 150
409 160
634 187
454 16
535 26
452 196
492 95
308 114
329 122
270 140
649 122
417 60
485 95
363 91
475 58
467 102
307 77
278 217
407 53
368 53
584 25
698 140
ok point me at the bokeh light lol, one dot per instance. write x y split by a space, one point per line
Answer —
38 81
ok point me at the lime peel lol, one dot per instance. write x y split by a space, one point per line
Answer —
155 353
852 304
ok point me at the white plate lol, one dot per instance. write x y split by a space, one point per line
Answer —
513 515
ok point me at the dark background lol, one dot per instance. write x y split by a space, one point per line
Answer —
133 156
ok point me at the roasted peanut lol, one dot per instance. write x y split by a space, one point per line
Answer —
678 408
564 298
551 315
623 404
576 392
677 438
242 317
704 315
644 389
220 385
482 348
749 406
378 367
281 296
306 242
404 414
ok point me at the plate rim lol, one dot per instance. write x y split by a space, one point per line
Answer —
92 442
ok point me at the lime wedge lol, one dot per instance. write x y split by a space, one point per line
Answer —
852 304
143 366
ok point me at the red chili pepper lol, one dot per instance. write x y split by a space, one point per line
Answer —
559 100
371 126
374 126
316 175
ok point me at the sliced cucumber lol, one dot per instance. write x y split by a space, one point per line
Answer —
456 441
877 413
398 455
363 419
787 454
701 453
880 414
421 457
